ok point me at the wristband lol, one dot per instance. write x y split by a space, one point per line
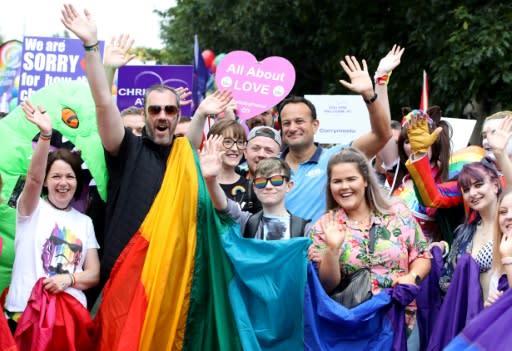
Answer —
72 277
416 276
506 261
45 137
382 79
371 100
94 47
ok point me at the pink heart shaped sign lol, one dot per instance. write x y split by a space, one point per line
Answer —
256 86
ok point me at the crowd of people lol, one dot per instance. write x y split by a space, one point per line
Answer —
275 184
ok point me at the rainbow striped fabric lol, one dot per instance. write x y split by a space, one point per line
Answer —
446 194
188 281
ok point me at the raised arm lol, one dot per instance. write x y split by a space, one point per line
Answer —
116 55
184 94
211 105
230 110
110 124
389 153
432 194
498 140
37 168
211 165
329 269
361 83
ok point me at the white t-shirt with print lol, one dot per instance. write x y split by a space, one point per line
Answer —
48 242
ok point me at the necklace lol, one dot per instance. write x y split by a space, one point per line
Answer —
359 221
57 207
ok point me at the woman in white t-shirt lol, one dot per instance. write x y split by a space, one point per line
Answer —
53 240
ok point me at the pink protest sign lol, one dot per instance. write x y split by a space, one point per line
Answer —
256 86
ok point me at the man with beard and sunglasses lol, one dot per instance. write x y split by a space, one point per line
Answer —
136 165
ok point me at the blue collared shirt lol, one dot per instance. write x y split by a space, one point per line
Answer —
307 197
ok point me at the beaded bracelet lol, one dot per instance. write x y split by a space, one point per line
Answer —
94 47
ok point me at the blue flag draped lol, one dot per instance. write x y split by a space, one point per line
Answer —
377 324
267 292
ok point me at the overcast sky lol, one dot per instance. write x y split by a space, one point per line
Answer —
113 17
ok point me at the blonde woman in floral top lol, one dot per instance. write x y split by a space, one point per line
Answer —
341 237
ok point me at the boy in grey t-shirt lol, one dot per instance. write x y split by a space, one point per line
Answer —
271 182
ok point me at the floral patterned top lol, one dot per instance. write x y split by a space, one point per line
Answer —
398 241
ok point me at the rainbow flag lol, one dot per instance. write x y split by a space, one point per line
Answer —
463 157
424 101
174 286
10 64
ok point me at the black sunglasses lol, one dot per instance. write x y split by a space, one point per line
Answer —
275 180
170 110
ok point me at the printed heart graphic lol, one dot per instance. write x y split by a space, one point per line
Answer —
256 86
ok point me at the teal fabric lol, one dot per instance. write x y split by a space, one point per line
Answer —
267 292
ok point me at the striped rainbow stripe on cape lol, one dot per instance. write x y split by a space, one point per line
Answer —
174 285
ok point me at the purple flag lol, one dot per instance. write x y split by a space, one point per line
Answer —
462 302
429 299
132 82
489 331
402 295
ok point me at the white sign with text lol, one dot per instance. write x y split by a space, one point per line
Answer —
342 118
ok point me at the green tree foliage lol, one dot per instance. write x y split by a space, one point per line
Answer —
463 47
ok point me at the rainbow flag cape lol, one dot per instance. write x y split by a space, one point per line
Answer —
174 286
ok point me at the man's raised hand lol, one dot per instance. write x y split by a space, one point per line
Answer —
117 52
84 27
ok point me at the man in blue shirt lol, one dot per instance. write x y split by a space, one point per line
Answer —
307 159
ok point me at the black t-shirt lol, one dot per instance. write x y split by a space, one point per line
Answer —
136 175
251 204
237 191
